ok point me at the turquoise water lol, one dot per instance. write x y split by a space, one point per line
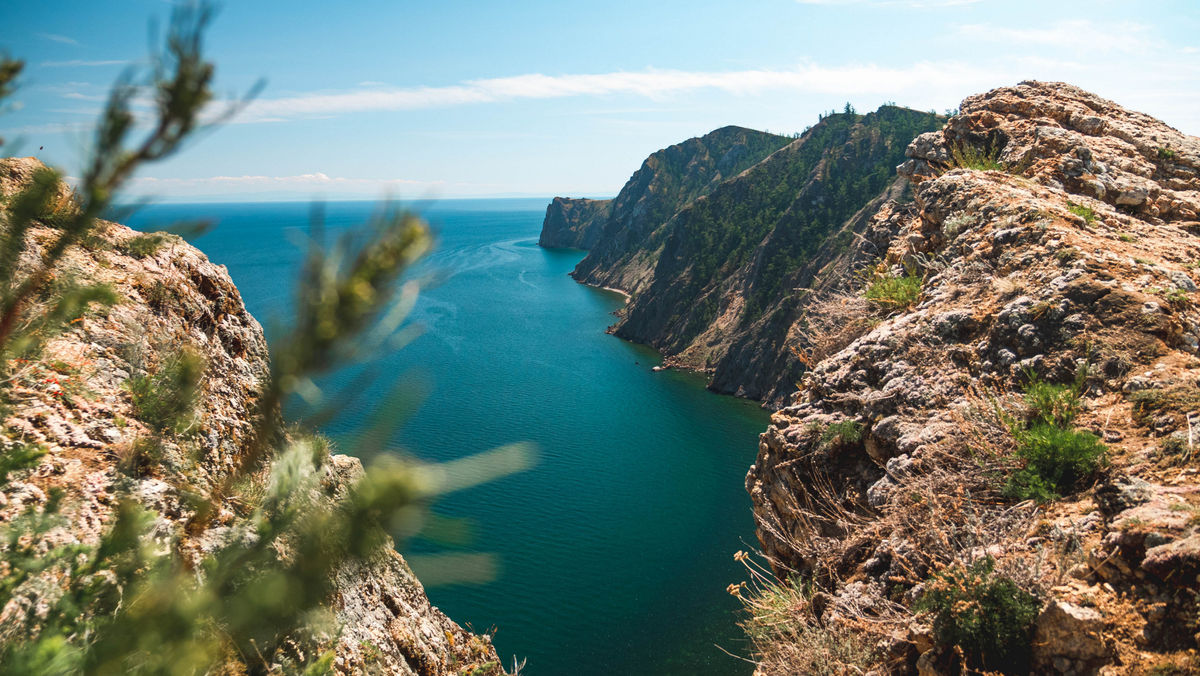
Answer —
615 550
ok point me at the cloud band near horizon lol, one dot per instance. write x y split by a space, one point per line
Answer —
654 84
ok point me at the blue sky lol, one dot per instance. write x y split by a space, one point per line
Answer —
451 99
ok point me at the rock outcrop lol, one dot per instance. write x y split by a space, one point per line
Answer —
1077 258
667 181
72 402
573 223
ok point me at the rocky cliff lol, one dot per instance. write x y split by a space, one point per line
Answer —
573 223
666 181
75 403
721 276
1056 240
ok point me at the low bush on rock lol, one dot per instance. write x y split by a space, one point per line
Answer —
985 614
1057 457
894 293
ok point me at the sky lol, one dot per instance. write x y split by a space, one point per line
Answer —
421 100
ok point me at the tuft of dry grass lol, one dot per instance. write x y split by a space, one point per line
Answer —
833 321
785 626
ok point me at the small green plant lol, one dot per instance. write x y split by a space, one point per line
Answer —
1166 154
1178 299
1066 254
894 293
166 400
1057 461
1086 213
968 156
1056 457
1174 445
842 433
1054 404
984 613
956 224
1126 237
160 296
144 245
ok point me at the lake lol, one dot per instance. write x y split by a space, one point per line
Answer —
613 553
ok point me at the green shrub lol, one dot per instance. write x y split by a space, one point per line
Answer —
1086 213
1053 404
894 293
1066 254
1166 154
842 433
985 614
141 246
1056 457
1057 461
969 157
166 400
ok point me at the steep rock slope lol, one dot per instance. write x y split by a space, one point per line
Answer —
666 181
572 223
73 403
721 272
723 291
1076 263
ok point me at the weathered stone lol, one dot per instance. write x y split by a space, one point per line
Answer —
1067 631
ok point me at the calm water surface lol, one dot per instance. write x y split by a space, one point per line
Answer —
615 550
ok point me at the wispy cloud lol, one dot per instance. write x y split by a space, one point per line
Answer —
54 37
80 96
307 183
652 84
81 63
48 128
316 178
1122 37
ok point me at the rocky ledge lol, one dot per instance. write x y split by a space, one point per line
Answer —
1057 240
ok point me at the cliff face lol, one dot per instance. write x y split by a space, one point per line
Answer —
573 223
666 181
1075 262
723 292
73 402
720 266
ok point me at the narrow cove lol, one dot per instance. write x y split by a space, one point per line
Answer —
614 552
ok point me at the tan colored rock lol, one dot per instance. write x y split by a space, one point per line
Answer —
1081 252
173 298
1065 630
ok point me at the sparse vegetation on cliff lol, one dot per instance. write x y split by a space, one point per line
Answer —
720 265
1042 516
892 292
984 613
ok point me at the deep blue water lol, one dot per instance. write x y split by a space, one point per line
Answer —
615 550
